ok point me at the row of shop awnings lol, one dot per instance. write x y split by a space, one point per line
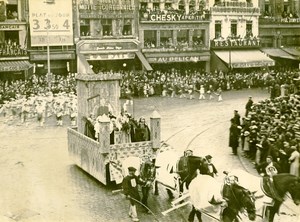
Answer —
14 65
256 58
245 58
233 58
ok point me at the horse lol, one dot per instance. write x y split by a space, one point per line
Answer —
170 174
208 196
270 192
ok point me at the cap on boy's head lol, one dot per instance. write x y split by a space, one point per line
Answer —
208 157
131 169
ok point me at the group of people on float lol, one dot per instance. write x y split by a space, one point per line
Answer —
124 128
269 134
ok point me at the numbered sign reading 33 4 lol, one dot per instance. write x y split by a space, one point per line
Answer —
51 23
48 24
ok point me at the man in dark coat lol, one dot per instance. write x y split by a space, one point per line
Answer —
234 133
237 118
249 105
130 188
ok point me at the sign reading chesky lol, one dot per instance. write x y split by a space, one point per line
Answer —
51 22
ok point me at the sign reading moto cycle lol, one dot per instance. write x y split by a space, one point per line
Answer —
51 22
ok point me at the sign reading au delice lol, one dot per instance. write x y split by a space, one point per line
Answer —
51 23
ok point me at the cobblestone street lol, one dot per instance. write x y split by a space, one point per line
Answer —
39 183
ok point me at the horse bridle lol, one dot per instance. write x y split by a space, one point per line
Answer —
237 201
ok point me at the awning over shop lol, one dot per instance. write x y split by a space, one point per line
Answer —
11 66
244 58
293 51
279 53
144 61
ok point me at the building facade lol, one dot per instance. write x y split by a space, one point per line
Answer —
234 35
14 60
106 36
51 41
279 30
175 33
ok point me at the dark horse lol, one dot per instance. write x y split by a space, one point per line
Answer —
194 163
238 198
282 183
275 188
206 191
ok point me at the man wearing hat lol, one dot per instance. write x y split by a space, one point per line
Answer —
248 106
211 167
130 188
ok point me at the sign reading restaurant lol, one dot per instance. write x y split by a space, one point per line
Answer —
236 43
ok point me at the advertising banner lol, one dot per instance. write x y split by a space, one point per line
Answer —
51 22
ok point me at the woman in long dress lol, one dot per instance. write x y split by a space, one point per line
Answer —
294 161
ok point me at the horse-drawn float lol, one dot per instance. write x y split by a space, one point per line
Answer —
98 155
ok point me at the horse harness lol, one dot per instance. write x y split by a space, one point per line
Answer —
269 189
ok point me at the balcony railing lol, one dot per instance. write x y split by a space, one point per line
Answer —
233 10
273 20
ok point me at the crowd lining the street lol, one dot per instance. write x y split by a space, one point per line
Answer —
269 134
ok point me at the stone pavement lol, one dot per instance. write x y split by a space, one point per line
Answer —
41 184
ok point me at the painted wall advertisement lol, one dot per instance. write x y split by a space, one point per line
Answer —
51 23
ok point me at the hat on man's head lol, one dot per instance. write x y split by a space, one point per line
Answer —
208 157
131 169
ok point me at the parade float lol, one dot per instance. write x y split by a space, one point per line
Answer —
104 160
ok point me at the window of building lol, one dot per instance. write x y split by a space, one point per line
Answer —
84 27
143 5
127 28
168 6
267 11
10 45
249 29
181 5
107 27
166 38
198 37
233 28
156 6
183 38
150 39
218 28
12 9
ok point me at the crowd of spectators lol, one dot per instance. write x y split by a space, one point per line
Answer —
270 134
181 83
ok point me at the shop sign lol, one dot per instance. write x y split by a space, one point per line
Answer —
177 59
107 46
171 17
106 15
51 24
64 56
252 64
237 43
12 68
9 27
111 56
108 5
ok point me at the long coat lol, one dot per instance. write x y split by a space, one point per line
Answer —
234 136
294 163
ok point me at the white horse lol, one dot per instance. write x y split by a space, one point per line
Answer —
207 195
166 169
